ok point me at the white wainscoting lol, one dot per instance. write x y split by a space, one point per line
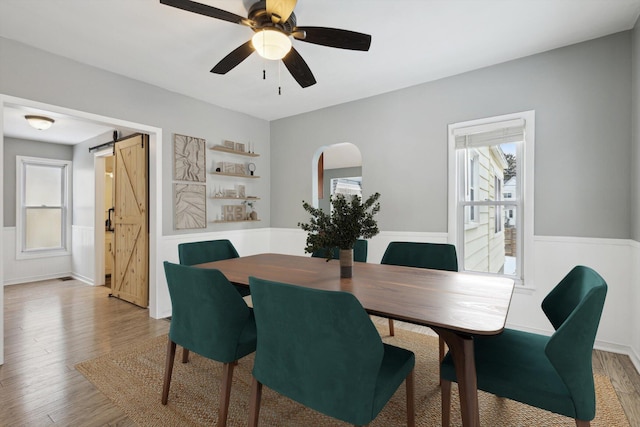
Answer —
29 270
292 241
554 257
634 284
83 249
617 260
246 242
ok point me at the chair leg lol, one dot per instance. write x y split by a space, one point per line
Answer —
445 390
185 355
254 403
225 393
411 409
582 423
168 370
391 331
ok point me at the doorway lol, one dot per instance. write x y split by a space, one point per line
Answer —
339 164
91 253
103 164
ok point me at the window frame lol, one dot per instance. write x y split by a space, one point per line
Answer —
471 186
498 220
524 277
21 209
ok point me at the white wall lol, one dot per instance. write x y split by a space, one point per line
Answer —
29 270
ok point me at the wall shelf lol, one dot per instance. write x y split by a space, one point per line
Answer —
237 175
219 221
231 204
234 198
232 151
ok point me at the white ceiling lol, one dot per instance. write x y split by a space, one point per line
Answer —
413 41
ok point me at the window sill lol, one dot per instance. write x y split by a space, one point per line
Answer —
42 254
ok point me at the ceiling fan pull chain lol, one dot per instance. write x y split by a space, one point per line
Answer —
279 82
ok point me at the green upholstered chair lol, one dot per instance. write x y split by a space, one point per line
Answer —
359 252
436 256
549 372
320 349
208 251
211 318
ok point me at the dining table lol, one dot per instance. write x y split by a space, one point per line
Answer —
456 305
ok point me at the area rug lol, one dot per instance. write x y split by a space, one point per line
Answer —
132 379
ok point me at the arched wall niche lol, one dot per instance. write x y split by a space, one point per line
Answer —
335 161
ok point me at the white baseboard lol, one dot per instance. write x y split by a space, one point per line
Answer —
27 279
635 359
83 279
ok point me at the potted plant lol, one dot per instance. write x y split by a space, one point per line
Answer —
349 220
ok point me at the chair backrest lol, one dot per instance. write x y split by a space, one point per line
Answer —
574 308
437 256
316 347
360 249
208 314
207 251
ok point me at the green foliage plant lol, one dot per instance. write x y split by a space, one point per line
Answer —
350 220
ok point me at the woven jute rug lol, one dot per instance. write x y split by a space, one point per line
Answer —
132 379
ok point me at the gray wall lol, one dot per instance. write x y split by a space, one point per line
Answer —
635 178
21 147
34 74
582 98
329 174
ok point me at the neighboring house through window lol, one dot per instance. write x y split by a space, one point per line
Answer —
43 220
490 177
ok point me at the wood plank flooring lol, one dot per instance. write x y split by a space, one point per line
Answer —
52 325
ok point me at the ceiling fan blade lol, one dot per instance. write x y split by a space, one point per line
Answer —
333 37
299 68
234 58
206 10
280 10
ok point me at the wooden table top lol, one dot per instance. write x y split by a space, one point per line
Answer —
465 303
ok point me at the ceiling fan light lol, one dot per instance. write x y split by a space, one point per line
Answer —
39 122
271 44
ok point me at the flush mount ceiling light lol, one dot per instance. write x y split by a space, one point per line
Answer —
271 44
39 122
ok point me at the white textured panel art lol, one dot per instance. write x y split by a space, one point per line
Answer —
190 206
189 158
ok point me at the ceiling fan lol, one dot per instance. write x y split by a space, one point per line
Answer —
274 23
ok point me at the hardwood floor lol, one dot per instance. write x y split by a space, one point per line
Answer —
52 325
49 327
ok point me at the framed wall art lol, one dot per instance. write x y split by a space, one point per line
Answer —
190 206
189 158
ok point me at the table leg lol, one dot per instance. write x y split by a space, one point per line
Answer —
461 348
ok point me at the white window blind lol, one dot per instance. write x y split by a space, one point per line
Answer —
490 134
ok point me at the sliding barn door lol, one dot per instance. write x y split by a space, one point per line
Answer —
130 280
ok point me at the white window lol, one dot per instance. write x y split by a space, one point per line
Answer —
43 220
485 156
